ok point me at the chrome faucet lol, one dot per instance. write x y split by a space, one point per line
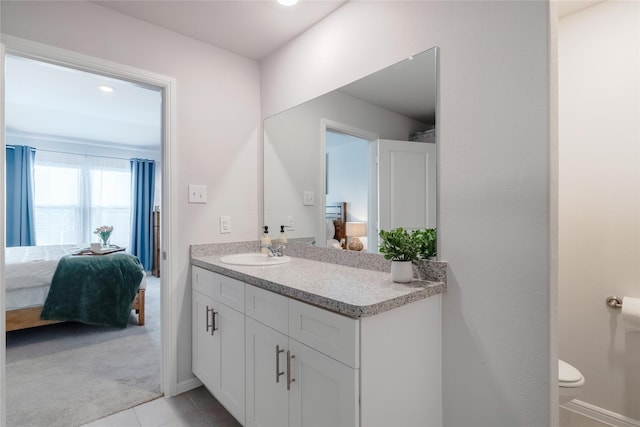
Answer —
271 251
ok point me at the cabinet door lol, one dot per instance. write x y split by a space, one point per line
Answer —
324 392
230 387
229 292
267 396
333 334
203 362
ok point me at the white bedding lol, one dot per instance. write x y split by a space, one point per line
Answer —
26 297
33 266
29 270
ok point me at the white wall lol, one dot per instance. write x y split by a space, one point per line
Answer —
494 139
218 122
599 92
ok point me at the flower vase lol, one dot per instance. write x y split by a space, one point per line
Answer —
104 242
104 233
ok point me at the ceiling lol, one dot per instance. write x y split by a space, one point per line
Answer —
567 7
45 99
42 98
251 28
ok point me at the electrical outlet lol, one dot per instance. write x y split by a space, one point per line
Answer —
197 193
225 224
291 223
309 198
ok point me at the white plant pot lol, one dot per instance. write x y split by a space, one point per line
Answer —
401 271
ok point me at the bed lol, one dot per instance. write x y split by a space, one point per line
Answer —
336 219
29 271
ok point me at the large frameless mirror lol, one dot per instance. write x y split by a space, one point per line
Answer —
356 160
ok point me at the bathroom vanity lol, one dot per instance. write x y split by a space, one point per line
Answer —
314 343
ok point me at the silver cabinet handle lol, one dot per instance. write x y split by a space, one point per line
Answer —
278 373
206 319
213 319
290 378
211 325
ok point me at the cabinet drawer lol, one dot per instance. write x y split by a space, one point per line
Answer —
204 281
230 292
268 308
330 333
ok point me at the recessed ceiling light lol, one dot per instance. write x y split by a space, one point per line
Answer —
107 89
287 2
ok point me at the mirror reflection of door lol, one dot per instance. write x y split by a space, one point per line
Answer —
406 184
386 183
347 169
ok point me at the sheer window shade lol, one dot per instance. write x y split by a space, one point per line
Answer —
75 194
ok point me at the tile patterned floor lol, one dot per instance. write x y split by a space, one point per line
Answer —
194 408
198 408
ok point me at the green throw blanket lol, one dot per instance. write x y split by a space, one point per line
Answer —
97 290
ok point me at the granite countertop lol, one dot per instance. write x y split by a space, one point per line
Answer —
351 291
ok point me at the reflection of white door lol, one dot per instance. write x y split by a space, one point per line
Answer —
406 184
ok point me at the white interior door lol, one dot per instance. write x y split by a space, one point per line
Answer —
406 184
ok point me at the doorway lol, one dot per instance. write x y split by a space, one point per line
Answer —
347 174
166 87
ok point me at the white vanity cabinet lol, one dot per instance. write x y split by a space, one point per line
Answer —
302 365
290 383
218 329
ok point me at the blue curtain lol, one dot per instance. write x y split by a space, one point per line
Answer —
20 208
142 192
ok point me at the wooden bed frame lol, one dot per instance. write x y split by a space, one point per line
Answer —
338 213
30 317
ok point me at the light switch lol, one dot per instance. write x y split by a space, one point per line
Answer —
309 198
225 224
197 193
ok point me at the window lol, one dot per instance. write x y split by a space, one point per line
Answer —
74 194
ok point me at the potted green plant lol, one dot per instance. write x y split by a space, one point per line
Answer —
426 240
401 248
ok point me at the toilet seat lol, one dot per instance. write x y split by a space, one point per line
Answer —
568 376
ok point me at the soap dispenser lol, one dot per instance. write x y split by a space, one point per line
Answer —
265 240
282 239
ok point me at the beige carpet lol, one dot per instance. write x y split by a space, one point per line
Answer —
70 374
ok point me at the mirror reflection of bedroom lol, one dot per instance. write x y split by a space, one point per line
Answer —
83 187
347 178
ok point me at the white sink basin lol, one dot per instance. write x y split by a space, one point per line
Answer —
254 259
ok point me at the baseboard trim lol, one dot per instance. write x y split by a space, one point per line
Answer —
187 385
600 414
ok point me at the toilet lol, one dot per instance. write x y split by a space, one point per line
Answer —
570 381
